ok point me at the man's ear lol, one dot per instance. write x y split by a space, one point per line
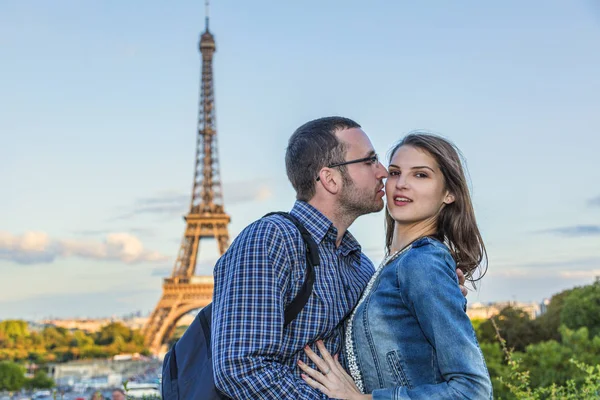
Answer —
449 199
329 180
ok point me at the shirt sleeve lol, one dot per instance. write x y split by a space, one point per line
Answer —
251 280
429 287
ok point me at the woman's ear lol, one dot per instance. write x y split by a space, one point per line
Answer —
449 198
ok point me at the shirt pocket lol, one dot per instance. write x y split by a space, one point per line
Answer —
397 370
330 298
326 308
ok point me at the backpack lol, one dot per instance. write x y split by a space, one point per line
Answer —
187 370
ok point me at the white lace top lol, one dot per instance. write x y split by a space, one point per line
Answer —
350 354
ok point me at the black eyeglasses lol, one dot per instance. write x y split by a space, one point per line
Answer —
370 160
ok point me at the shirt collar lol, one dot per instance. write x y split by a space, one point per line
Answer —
319 226
349 244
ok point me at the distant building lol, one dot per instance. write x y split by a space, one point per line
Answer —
86 325
100 374
544 306
486 311
94 325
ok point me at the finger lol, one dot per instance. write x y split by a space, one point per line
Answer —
315 384
336 360
324 353
461 277
319 362
336 363
316 375
464 290
343 372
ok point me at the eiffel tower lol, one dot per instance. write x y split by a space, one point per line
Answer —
183 291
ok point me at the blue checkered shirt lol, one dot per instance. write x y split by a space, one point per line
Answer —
254 356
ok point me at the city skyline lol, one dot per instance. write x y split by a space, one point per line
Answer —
98 113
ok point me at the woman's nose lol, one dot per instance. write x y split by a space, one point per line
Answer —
401 182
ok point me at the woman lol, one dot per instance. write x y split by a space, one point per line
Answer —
409 336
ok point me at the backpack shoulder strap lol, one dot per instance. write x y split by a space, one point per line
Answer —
312 260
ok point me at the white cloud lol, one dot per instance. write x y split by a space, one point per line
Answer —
580 274
263 193
515 273
177 203
595 202
537 273
38 247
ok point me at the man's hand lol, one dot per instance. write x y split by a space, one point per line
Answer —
461 282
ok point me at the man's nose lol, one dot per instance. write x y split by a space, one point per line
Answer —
381 171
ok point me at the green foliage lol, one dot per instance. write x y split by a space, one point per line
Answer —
54 344
476 322
520 387
549 362
12 376
547 325
40 380
556 356
82 340
113 332
14 329
515 327
582 308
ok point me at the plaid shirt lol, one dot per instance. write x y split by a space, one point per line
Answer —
254 357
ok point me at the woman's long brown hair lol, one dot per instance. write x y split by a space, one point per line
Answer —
456 224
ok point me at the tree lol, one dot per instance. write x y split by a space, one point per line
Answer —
55 344
548 323
14 329
81 339
55 337
582 308
548 362
109 333
40 380
12 376
515 327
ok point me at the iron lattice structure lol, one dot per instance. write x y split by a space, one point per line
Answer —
184 291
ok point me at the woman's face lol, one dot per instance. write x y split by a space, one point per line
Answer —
415 188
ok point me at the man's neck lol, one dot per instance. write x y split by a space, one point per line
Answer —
340 220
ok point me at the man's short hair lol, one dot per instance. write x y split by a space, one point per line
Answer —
312 147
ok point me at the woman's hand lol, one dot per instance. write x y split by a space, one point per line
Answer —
461 282
333 379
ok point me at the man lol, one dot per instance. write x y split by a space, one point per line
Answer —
118 394
337 176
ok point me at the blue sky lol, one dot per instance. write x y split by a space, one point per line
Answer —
98 112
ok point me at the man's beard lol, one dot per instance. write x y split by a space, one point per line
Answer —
355 202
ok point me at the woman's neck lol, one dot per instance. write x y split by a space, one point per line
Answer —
405 234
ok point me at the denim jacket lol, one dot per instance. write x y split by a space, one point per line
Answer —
411 336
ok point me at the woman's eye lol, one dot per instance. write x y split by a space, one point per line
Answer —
394 173
421 175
